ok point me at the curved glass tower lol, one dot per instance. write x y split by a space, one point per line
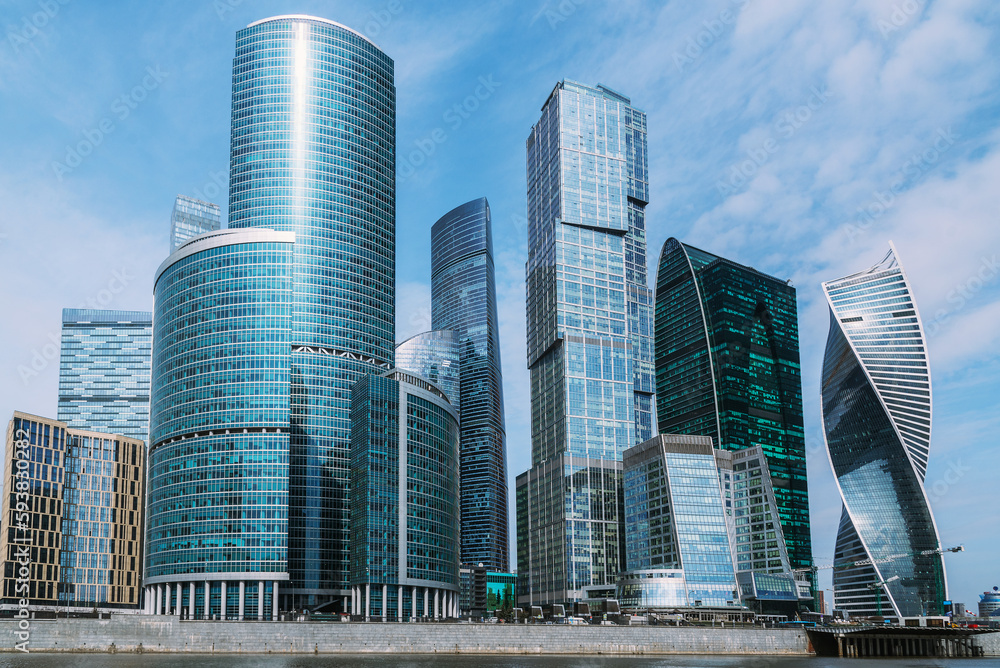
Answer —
877 422
434 355
313 152
727 366
217 518
464 299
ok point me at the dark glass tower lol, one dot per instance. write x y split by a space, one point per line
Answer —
877 422
589 339
313 152
464 300
727 366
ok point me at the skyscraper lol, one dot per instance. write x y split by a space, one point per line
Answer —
589 338
727 366
104 371
313 152
464 300
876 392
190 218
217 532
434 356
404 499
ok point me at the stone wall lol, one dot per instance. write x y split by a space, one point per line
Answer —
138 633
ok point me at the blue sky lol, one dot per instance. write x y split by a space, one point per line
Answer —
796 136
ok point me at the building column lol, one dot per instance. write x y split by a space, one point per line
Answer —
413 601
243 591
385 603
368 600
167 598
191 601
224 601
345 604
208 599
274 601
437 595
260 600
159 599
399 604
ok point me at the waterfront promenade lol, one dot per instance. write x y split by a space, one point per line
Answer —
148 633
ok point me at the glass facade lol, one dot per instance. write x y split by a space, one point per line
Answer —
464 300
313 152
675 517
73 509
589 331
876 392
727 366
434 355
219 457
752 511
104 371
405 503
190 218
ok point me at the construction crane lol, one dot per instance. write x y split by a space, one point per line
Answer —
877 586
884 560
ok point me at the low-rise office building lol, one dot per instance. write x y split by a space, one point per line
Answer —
405 522
72 518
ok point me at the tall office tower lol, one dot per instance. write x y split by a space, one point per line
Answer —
434 356
217 530
675 521
876 392
190 218
589 338
313 152
104 371
73 511
727 366
405 517
464 300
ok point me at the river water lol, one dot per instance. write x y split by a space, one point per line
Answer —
39 660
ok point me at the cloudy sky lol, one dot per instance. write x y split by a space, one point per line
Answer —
796 136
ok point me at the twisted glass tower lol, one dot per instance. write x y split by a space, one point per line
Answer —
589 338
313 152
464 300
877 422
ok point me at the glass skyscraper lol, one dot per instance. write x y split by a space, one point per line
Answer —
405 499
464 300
434 356
218 507
190 218
589 338
313 152
876 392
104 371
727 366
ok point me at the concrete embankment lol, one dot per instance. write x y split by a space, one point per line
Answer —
140 633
